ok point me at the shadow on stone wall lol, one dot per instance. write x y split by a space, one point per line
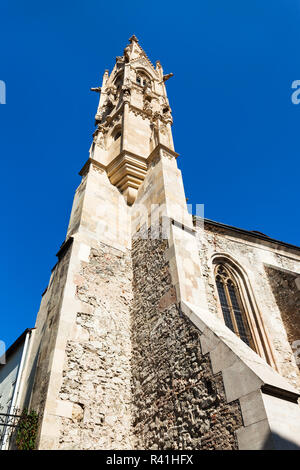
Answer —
287 296
276 442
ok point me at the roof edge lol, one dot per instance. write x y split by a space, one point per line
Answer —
14 345
253 234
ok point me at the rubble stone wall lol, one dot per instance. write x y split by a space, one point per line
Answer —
287 296
178 402
97 376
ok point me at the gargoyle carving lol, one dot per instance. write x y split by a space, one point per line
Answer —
97 89
167 76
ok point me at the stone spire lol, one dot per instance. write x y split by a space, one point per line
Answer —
132 119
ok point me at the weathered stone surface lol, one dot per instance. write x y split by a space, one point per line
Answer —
275 295
45 338
119 364
287 296
97 375
178 402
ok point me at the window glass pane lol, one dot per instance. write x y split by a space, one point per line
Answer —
238 314
224 305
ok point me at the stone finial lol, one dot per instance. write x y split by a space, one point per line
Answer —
133 39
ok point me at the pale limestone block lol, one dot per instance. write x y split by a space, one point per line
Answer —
208 340
69 306
253 408
257 436
84 252
222 357
284 420
64 408
239 380
267 374
55 381
48 442
58 359
49 432
188 266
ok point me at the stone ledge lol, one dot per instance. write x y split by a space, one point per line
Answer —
206 321
269 404
157 152
87 165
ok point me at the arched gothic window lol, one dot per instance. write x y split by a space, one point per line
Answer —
233 308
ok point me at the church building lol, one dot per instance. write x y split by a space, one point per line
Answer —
160 329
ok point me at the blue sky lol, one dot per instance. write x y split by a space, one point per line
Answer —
235 126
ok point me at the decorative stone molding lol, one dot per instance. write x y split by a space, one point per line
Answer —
127 171
108 120
140 112
167 155
161 151
95 165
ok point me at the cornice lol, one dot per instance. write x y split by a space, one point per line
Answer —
128 170
140 88
140 112
149 114
90 162
126 156
158 152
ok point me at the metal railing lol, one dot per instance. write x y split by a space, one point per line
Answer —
8 425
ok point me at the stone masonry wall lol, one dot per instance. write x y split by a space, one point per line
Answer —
97 376
253 256
287 297
178 402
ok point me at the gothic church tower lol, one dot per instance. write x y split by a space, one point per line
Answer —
126 353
